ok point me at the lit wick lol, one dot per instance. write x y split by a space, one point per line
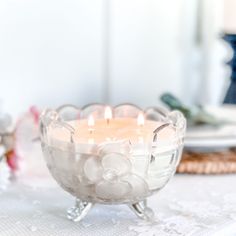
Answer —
108 115
140 120
140 123
91 124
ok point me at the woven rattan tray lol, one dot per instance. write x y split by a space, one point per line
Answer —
208 163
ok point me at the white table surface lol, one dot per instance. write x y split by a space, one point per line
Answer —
188 205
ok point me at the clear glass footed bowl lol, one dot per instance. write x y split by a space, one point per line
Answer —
122 158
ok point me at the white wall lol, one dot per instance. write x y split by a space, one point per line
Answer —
51 52
145 50
174 46
229 24
57 51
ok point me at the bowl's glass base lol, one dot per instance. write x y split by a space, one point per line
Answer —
81 209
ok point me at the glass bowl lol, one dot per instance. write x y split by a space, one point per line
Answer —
122 159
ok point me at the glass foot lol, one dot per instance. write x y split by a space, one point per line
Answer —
79 211
142 211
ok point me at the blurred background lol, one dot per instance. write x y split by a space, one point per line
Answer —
56 51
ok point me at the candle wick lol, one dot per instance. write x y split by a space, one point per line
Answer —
108 115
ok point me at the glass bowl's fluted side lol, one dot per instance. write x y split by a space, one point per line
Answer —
114 171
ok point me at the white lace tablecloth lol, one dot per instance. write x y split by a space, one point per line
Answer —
188 205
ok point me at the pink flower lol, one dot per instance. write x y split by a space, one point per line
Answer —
12 160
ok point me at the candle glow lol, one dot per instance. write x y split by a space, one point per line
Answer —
91 124
108 114
140 120
91 121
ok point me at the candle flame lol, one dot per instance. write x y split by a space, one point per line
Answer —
108 113
91 121
140 120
